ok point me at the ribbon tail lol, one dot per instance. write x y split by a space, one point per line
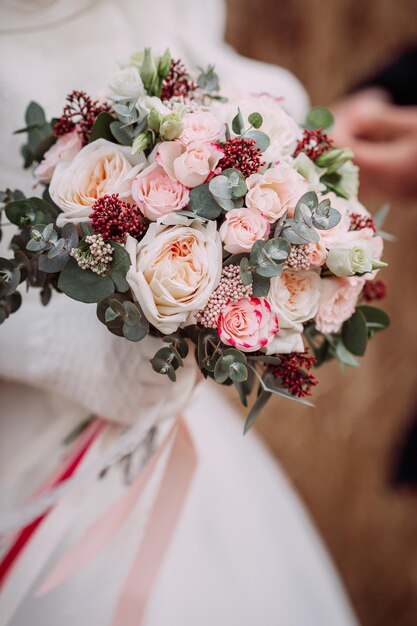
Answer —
173 490
102 530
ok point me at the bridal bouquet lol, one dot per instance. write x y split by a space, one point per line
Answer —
213 223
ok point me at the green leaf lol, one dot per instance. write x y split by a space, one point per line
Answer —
381 215
84 285
238 123
238 372
376 319
319 117
120 134
30 211
35 115
262 140
245 273
256 120
119 267
355 333
203 204
261 285
344 356
101 128
257 407
135 333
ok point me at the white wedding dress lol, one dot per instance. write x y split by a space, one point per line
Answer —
244 552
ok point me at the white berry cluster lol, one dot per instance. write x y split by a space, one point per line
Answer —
298 257
96 257
229 289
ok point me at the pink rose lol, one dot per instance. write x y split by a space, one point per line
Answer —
156 194
338 300
275 191
241 228
64 149
317 254
190 165
248 324
201 126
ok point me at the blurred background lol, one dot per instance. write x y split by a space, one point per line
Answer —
341 455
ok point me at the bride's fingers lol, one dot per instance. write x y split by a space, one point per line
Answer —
384 122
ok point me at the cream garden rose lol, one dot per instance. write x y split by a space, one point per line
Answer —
281 129
241 228
274 191
190 165
156 194
295 297
174 270
338 300
64 149
100 168
248 324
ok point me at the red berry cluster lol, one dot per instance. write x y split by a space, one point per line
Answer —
293 374
178 82
241 154
359 221
313 143
79 113
114 219
374 290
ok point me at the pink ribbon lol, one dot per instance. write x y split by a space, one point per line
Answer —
173 489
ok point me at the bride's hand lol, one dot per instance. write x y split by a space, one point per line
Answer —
383 137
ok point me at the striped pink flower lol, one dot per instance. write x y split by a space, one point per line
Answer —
248 324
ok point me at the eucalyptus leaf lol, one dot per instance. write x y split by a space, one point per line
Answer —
203 203
319 117
120 134
262 140
344 355
256 120
119 267
256 408
238 123
84 285
260 286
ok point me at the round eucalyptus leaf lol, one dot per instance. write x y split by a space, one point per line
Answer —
262 140
305 232
220 188
238 372
203 203
135 333
84 285
261 285
328 220
319 117
256 120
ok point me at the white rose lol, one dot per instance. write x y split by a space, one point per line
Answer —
175 269
281 129
285 342
126 85
146 103
100 168
360 253
295 298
